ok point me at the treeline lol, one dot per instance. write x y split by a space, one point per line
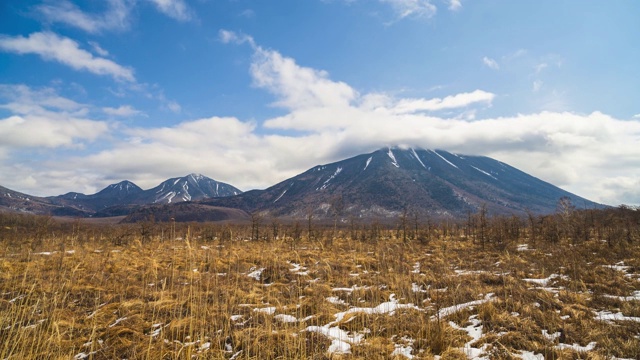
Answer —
568 224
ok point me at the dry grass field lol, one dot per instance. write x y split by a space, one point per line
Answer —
487 289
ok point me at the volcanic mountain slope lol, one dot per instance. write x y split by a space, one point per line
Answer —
388 181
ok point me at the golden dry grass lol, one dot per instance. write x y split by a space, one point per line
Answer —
77 296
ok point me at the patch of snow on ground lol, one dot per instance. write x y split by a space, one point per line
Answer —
403 351
618 266
469 272
523 247
340 339
286 318
475 332
634 296
550 337
336 300
118 321
455 308
255 273
417 288
416 268
388 307
351 289
528 355
610 317
576 347
267 310
543 283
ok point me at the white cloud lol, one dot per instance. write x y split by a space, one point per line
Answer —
491 63
53 47
116 17
412 8
405 106
537 85
233 37
173 106
540 67
123 110
455 5
297 87
176 9
98 49
41 118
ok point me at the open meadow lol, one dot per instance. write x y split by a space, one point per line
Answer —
559 287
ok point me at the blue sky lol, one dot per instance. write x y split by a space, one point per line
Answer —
253 92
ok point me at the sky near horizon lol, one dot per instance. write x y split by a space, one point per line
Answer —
253 92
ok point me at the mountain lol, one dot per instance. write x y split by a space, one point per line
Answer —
17 202
116 199
381 184
124 192
386 182
188 188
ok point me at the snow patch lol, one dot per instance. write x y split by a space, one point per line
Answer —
394 162
447 161
368 162
255 273
418 158
280 195
326 183
484 172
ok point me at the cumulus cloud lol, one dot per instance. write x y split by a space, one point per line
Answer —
53 47
297 87
41 118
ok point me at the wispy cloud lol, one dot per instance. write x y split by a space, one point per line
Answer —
123 110
455 5
53 47
177 9
491 63
227 36
412 8
537 85
116 16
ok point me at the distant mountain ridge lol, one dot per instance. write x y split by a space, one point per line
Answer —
380 184
122 195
